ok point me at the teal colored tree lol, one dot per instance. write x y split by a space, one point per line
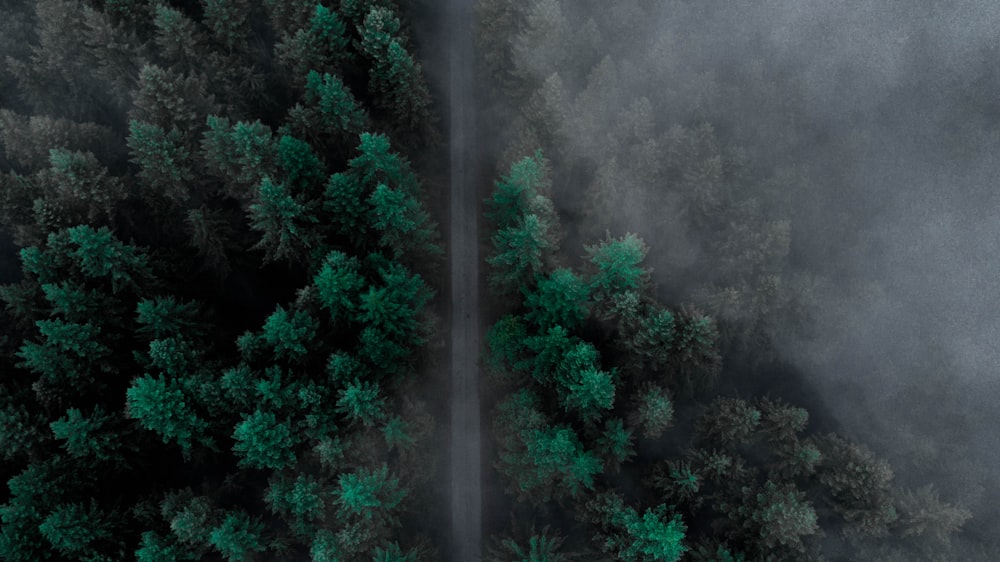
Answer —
263 441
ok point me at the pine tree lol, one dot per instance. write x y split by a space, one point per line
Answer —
238 537
284 221
320 46
374 496
328 108
560 298
359 402
394 77
618 266
162 160
263 441
162 407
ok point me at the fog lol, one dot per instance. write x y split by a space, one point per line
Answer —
883 118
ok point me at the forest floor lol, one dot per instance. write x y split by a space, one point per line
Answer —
466 486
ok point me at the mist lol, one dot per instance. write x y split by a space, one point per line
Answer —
876 129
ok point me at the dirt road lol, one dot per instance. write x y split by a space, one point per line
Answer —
466 486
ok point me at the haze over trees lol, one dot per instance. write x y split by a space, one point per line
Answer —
661 394
215 346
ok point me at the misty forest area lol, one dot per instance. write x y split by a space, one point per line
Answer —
691 280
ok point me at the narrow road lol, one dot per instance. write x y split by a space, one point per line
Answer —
466 486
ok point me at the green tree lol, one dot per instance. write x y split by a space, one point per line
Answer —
513 192
394 77
560 298
166 316
89 437
618 265
238 537
339 285
162 159
555 464
229 21
73 530
328 107
727 421
373 495
241 155
615 444
652 411
319 46
284 222
779 515
178 37
656 535
262 441
360 402
154 548
162 407
520 252
405 227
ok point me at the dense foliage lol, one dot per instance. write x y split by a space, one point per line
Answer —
215 343
611 411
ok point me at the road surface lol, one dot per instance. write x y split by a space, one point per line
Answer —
466 486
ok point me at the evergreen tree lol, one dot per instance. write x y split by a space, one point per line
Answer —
283 221
320 46
263 441
238 537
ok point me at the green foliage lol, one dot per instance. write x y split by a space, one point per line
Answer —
191 518
289 335
616 443
728 421
373 495
262 441
512 193
656 535
653 411
858 482
394 307
780 515
320 45
67 353
541 546
394 77
229 21
301 501
177 36
506 343
404 226
241 155
160 406
360 402
83 253
328 107
618 265
521 251
303 170
161 158
339 285
238 537
154 548
90 437
166 316
72 530
398 434
560 298
589 392
283 221
82 188
324 547
555 464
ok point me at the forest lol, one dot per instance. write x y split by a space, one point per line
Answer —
737 266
